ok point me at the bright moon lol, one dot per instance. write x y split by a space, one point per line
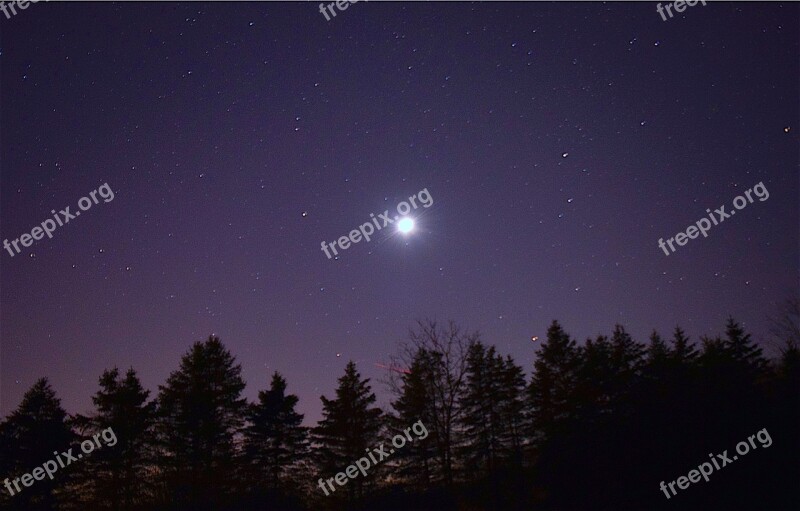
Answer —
405 225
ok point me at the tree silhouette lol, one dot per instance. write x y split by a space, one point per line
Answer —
446 349
492 404
200 412
275 442
349 427
28 438
512 408
683 351
552 387
415 402
116 473
657 351
611 417
480 409
745 352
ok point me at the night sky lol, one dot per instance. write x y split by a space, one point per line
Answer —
558 142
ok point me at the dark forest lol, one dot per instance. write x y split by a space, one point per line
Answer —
598 425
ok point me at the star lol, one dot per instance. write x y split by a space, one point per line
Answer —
405 226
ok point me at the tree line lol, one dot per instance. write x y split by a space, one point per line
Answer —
597 425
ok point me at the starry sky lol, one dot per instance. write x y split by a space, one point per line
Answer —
558 142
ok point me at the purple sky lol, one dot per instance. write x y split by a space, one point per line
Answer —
559 142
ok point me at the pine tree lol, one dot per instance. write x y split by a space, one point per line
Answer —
595 378
683 351
116 472
200 411
657 351
681 370
275 440
610 369
512 408
415 403
627 358
742 349
789 366
28 438
627 354
713 354
479 405
349 427
492 406
716 370
552 385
